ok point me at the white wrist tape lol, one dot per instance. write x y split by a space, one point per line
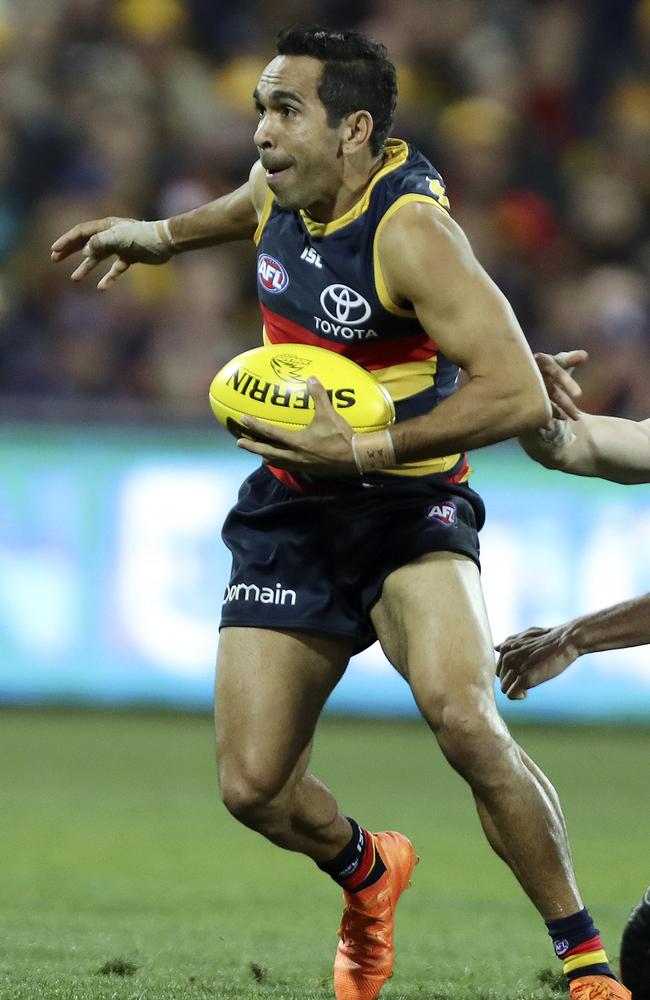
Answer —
558 436
373 451
153 239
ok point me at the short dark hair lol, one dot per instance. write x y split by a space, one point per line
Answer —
357 74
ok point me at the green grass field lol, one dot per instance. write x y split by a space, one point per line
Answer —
114 848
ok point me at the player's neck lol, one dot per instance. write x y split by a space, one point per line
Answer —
356 178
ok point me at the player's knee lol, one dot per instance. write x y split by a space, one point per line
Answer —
474 740
250 795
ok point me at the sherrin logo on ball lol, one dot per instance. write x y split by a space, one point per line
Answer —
270 383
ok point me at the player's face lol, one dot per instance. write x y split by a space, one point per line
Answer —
298 149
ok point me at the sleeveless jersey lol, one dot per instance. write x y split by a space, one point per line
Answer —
321 284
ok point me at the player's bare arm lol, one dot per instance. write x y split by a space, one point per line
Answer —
231 217
605 447
427 263
586 444
538 654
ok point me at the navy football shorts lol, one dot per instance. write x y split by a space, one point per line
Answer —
318 563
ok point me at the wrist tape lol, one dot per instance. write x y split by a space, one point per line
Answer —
373 451
558 436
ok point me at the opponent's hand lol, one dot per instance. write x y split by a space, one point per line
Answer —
131 241
562 388
532 657
322 449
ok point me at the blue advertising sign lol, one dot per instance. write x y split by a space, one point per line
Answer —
112 571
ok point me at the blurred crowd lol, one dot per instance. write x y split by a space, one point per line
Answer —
536 112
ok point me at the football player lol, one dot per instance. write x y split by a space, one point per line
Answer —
366 261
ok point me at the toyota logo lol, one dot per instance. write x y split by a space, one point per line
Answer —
344 304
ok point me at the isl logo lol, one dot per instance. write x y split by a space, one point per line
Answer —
272 274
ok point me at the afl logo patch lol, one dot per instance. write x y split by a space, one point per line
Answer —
272 274
444 512
343 304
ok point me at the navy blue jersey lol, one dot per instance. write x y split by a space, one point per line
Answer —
321 284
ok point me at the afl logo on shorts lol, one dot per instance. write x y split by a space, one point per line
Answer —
344 305
444 512
272 274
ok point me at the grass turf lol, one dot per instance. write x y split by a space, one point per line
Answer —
123 877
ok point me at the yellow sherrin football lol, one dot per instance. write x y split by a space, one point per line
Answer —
270 383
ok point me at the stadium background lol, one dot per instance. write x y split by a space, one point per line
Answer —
114 478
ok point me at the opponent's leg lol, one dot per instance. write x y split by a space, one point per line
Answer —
432 623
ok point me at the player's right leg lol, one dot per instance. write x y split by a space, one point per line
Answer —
270 689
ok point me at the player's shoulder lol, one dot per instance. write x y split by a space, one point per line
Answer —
415 227
411 177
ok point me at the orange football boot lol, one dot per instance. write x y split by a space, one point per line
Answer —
597 988
364 957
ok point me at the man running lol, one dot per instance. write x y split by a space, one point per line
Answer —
375 533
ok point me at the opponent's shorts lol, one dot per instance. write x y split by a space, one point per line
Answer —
318 563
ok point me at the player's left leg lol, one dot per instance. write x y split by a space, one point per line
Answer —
432 624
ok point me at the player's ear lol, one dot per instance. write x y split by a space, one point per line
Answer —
357 129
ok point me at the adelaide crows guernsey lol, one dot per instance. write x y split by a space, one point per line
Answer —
321 284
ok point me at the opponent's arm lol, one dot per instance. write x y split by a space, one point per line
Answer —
588 445
232 217
607 447
534 656
426 261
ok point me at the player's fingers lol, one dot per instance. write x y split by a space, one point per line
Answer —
262 430
267 452
569 359
75 238
558 414
563 399
556 373
561 387
517 695
117 269
103 244
319 394
513 687
316 389
515 638
507 677
84 268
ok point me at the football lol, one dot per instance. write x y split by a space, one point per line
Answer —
271 383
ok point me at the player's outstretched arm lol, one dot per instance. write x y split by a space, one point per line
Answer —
534 656
587 444
427 264
130 241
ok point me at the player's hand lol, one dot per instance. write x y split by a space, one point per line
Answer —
131 241
322 449
532 657
562 388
